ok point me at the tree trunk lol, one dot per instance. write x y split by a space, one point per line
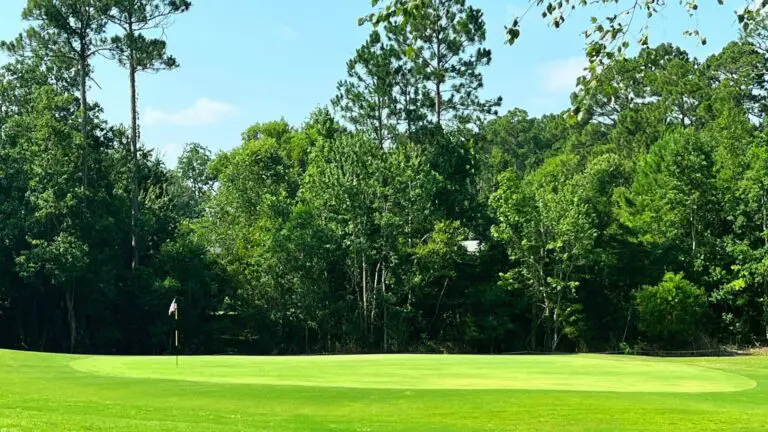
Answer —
69 297
384 300
84 112
373 299
380 121
765 222
765 313
693 235
353 274
765 279
365 299
437 307
626 327
134 162
407 113
438 81
22 337
534 326
438 103
555 329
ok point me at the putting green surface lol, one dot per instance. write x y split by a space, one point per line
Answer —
45 392
575 373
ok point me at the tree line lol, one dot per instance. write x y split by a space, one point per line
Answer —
640 222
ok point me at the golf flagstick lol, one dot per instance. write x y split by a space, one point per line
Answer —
174 309
176 320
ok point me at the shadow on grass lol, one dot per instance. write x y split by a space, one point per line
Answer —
647 353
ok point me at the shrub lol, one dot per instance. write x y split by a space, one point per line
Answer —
671 314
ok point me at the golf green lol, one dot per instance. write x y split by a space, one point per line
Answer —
48 392
579 373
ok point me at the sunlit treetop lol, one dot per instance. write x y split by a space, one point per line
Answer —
606 38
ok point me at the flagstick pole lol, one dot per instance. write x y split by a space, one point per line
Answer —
176 315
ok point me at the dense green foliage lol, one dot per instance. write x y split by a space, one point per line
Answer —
615 27
672 311
394 393
351 236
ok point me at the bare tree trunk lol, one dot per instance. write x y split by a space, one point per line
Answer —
534 326
365 298
765 307
69 297
353 274
438 80
765 280
765 222
693 236
437 307
22 337
373 294
84 111
408 126
438 103
384 295
555 329
134 162
380 121
626 327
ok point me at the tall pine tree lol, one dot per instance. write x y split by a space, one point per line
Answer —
138 53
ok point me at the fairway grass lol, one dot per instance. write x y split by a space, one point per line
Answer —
382 393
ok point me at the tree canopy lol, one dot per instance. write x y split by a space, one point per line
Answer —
642 225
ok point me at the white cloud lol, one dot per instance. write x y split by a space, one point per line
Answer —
169 153
203 112
287 33
559 76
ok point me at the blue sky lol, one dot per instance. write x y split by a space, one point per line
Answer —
247 61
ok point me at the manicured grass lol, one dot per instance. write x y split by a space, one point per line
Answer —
586 373
382 393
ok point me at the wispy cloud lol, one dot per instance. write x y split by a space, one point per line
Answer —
202 112
287 33
560 76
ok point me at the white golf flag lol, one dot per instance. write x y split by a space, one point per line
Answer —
173 307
